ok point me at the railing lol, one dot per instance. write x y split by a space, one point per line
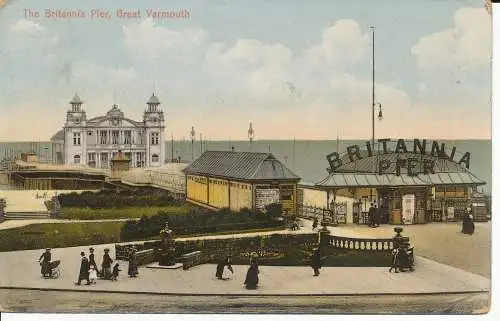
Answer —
348 243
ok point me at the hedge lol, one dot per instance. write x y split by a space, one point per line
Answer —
195 222
78 213
119 199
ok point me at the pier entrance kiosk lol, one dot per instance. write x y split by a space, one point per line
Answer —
411 181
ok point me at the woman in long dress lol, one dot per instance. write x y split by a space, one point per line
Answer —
132 264
252 278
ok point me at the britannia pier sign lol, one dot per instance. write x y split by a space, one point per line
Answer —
417 156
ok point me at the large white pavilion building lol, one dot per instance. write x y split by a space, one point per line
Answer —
94 142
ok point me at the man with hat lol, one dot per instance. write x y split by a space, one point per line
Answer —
106 264
84 270
45 262
92 260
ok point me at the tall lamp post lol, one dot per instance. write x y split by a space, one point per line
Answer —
193 136
380 116
251 135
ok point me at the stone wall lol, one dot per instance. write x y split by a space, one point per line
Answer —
276 249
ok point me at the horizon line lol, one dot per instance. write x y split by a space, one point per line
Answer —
284 139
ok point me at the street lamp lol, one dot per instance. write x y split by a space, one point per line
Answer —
193 136
251 135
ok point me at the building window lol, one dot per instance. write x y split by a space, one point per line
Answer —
91 157
139 159
76 159
103 137
127 137
155 138
115 134
76 138
155 158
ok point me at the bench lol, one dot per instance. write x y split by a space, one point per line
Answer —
191 259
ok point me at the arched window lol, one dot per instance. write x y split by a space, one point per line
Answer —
76 159
155 158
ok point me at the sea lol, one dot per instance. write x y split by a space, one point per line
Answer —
306 158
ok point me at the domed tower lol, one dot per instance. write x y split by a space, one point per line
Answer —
74 132
154 125
76 115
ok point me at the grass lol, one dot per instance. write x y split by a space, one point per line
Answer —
36 236
78 213
58 235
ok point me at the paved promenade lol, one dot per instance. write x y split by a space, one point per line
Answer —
20 270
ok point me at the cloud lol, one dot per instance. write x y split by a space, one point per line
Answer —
149 41
218 87
25 26
465 47
343 42
25 34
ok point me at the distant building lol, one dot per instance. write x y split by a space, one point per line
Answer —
236 180
29 157
95 142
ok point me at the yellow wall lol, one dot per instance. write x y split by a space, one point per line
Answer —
197 188
241 195
288 205
218 193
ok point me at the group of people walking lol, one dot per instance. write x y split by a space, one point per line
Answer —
89 270
252 277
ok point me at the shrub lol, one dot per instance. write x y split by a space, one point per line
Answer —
274 210
197 222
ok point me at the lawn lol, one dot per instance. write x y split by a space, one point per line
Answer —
36 236
78 213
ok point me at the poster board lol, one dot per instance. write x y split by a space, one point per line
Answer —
266 196
408 209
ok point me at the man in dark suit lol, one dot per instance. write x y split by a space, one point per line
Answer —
371 216
84 270
92 260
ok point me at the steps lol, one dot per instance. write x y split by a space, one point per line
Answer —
26 215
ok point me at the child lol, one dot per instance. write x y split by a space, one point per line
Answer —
92 275
115 273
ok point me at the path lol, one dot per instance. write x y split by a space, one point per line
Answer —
429 277
443 242
8 224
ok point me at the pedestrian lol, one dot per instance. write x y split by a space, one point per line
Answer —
252 277
106 265
220 267
315 223
92 260
376 216
468 226
84 270
45 263
116 272
371 215
92 274
316 261
132 263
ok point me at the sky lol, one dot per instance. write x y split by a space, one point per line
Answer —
292 68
